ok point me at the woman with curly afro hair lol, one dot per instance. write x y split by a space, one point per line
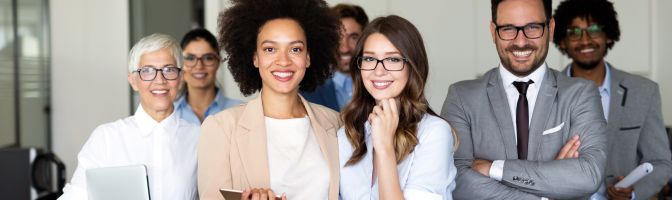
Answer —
278 143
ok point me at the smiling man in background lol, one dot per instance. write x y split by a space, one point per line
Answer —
336 92
585 31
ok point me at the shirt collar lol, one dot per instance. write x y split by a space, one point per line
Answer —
147 124
537 75
340 78
181 102
605 87
219 100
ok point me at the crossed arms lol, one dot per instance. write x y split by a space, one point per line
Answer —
562 179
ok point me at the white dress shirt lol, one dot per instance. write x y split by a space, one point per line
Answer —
428 173
166 148
497 168
297 167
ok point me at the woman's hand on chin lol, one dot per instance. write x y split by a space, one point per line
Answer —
384 120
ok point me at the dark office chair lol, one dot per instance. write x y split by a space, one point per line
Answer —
666 192
26 169
669 135
42 176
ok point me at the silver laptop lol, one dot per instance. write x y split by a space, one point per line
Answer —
113 183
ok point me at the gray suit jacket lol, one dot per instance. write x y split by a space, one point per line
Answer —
635 132
565 106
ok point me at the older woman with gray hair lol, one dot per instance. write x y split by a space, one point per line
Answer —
154 136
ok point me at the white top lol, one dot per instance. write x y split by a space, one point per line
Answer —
167 148
297 167
497 168
428 173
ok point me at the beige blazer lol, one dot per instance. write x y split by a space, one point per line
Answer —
232 150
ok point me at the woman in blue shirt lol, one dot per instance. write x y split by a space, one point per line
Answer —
393 146
200 96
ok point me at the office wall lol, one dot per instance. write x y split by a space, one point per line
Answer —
90 40
662 47
171 17
460 47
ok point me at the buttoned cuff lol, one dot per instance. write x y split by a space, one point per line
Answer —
496 170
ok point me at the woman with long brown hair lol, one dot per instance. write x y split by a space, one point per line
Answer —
393 146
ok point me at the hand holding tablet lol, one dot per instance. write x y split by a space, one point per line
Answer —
634 176
237 194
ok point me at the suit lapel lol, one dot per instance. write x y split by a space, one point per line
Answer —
500 106
252 144
328 146
542 111
617 100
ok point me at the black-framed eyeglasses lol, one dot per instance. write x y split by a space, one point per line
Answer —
369 63
593 31
531 31
148 73
208 60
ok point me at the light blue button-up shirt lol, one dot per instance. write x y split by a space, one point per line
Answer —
428 173
220 103
343 87
605 91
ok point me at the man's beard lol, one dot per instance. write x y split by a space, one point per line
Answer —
590 65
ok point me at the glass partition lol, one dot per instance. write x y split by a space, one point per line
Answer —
24 74
7 95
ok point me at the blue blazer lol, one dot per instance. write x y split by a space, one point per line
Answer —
324 95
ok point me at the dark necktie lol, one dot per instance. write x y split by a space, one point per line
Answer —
522 118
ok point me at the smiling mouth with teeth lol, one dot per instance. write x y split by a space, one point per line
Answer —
522 53
283 74
588 50
159 91
381 84
199 75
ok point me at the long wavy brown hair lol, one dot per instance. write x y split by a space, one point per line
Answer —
413 104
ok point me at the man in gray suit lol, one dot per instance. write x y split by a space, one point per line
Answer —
635 130
526 131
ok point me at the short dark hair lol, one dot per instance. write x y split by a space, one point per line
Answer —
547 8
240 24
200 33
354 11
600 11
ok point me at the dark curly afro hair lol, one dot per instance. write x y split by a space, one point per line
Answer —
600 11
240 24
